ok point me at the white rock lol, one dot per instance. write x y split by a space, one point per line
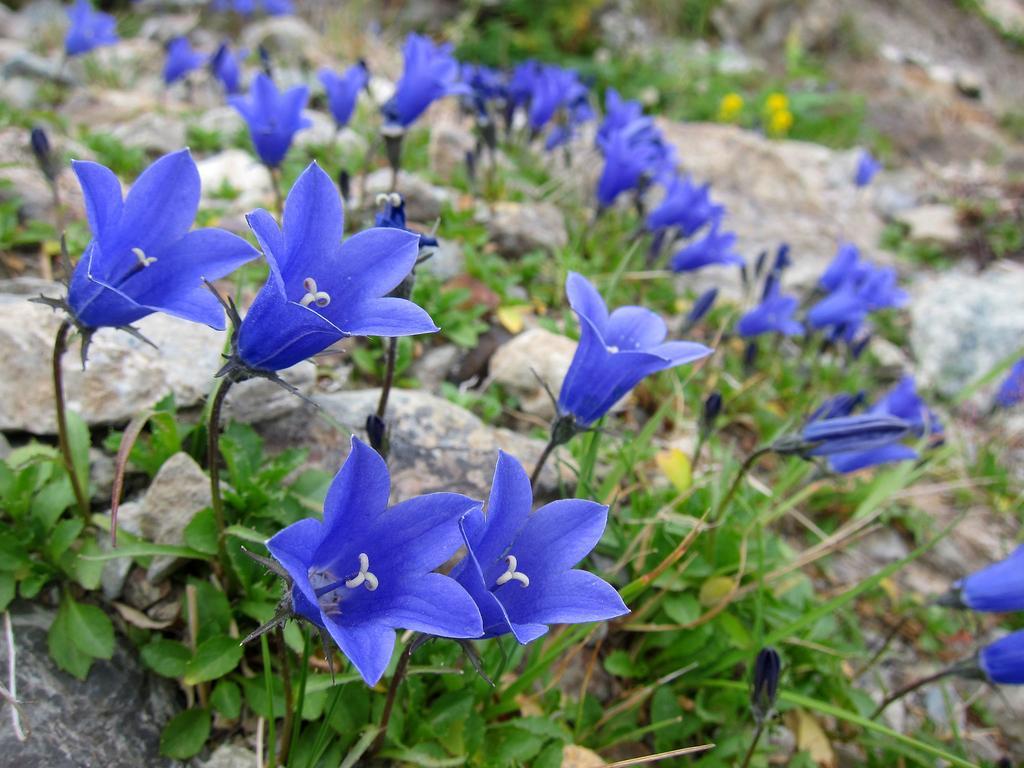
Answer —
518 228
237 169
935 223
152 132
518 363
259 400
449 144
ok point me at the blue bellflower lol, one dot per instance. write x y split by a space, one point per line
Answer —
273 117
846 434
867 167
89 29
226 66
714 248
842 267
1011 391
181 60
632 155
392 214
998 588
142 257
321 289
343 91
519 566
773 315
616 351
618 113
685 206
430 73
368 569
1003 660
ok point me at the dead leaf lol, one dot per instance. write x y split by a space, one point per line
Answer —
675 465
574 756
811 737
139 619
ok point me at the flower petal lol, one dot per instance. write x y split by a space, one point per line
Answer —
272 243
102 193
419 534
367 646
294 548
430 603
558 535
508 508
571 597
388 317
276 333
356 499
369 264
634 328
586 301
313 224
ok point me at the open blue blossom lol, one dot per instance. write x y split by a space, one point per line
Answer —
1011 391
773 315
867 167
519 566
321 289
181 60
842 267
367 569
89 29
685 206
998 588
618 113
616 351
632 155
864 288
142 257
343 91
431 72
714 248
226 66
1003 660
486 86
273 117
551 89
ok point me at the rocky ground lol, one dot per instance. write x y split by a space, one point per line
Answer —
940 102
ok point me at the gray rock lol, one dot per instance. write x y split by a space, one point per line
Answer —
256 400
449 143
224 120
30 187
435 444
165 27
101 474
230 756
518 363
936 223
963 324
324 133
113 718
28 64
179 490
115 572
518 228
435 366
424 202
155 133
124 375
286 36
447 260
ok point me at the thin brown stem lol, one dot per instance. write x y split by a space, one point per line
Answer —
545 454
389 704
389 376
753 745
60 346
289 704
213 461
899 693
747 465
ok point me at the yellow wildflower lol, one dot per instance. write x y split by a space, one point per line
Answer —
730 107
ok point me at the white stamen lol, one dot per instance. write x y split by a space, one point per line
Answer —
313 296
512 574
382 198
395 199
612 348
144 260
364 577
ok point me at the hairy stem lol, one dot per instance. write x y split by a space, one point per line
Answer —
389 704
753 745
213 461
60 346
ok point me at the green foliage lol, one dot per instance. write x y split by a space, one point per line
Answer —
125 161
80 634
186 733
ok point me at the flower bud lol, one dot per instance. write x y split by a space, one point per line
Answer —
709 415
844 434
376 431
40 143
344 184
701 307
765 689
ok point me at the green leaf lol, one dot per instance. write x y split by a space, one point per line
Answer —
201 532
146 548
92 630
6 589
62 537
213 658
79 440
246 534
60 640
86 571
227 699
185 734
682 608
619 664
51 501
166 657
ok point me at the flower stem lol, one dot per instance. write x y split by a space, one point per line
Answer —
289 708
910 688
389 704
213 460
747 465
389 376
60 346
753 745
548 450
275 182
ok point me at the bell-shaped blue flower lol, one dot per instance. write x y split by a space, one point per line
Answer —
714 247
1011 391
392 214
343 91
273 117
632 155
867 167
618 113
181 60
431 72
1003 661
845 434
616 351
773 315
142 257
685 206
519 565
842 268
321 289
998 588
226 66
368 569
89 29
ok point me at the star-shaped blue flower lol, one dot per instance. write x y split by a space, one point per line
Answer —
181 59
632 154
321 289
226 66
273 117
685 206
773 315
367 568
89 29
616 351
431 72
142 257
519 565
714 247
343 91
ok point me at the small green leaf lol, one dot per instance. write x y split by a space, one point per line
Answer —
79 440
201 532
92 631
227 699
63 650
86 571
166 657
6 590
62 537
185 734
619 664
682 608
213 658
145 549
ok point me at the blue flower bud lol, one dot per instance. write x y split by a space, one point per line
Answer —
765 689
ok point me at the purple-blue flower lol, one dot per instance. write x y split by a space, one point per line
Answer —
773 315
226 66
618 113
181 59
321 289
686 206
1003 660
273 117
392 214
89 29
713 248
616 351
343 91
142 257
368 569
867 167
632 155
1011 391
847 434
842 267
431 72
519 565
998 587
